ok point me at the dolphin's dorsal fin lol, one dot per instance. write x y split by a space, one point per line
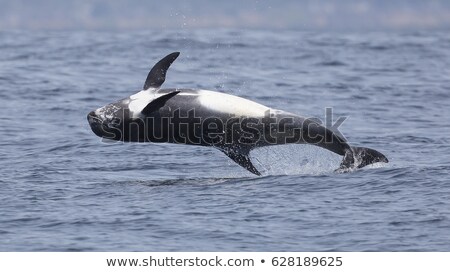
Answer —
157 74
158 103
241 158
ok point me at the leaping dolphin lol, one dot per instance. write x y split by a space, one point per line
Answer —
229 123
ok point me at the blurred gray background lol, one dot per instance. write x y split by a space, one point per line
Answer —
267 14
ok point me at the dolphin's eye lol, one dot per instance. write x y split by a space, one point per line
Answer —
115 121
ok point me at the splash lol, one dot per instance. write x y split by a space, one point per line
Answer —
295 160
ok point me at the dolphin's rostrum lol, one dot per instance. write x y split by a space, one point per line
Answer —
229 123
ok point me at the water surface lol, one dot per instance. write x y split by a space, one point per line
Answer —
62 189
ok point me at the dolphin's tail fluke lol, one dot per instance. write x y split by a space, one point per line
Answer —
358 157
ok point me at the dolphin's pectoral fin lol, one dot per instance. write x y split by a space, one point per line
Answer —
242 159
158 103
157 74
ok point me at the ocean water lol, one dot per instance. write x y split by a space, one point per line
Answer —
63 189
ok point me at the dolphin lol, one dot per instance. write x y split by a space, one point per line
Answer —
232 124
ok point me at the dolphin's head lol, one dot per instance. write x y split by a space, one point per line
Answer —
109 121
123 120
128 119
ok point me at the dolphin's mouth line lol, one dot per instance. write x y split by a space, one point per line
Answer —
94 119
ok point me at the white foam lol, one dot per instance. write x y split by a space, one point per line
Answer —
295 159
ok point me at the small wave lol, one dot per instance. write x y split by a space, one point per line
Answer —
411 139
24 219
360 97
63 148
22 57
181 42
375 47
283 84
52 224
190 181
332 63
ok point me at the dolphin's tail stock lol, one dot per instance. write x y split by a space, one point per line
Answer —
358 157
